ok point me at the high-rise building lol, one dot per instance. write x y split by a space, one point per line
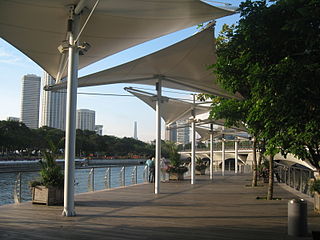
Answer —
135 131
183 132
13 119
53 110
171 133
30 100
86 119
98 129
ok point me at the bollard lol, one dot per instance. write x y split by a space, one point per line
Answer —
297 218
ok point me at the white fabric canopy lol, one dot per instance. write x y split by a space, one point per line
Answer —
205 133
221 122
172 109
181 66
38 27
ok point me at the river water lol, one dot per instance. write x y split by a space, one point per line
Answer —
83 181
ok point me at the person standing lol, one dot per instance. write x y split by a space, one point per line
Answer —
151 167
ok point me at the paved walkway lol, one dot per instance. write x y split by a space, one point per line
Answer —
222 209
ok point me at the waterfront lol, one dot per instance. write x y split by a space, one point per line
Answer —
220 209
86 179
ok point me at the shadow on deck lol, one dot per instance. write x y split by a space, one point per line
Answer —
220 209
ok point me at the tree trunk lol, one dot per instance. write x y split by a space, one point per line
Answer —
254 164
270 188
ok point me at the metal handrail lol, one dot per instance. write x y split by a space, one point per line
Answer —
20 188
295 177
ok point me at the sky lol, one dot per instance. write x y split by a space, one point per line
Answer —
116 114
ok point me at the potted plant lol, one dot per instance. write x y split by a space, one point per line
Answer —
200 167
315 189
175 169
49 188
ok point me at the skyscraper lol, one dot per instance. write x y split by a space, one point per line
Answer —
30 100
53 112
86 119
98 129
14 119
171 133
135 131
183 132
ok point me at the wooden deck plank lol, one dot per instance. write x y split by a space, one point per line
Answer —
222 209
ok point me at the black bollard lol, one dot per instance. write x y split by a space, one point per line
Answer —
297 218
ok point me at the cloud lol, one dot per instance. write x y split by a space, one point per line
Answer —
14 58
8 57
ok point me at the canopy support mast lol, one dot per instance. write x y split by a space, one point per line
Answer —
73 52
158 136
236 156
211 151
193 143
223 154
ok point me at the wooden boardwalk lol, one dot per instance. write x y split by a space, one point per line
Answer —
222 209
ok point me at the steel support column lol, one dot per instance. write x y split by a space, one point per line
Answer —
223 155
71 108
158 137
236 157
193 143
211 151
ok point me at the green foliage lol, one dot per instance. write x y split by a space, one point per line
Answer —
50 172
15 136
171 149
272 59
200 165
174 156
179 169
315 186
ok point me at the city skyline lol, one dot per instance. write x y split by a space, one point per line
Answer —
117 113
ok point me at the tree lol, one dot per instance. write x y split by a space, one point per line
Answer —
271 57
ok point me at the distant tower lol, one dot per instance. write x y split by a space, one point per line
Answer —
98 129
86 119
13 119
53 113
183 132
135 131
171 133
30 100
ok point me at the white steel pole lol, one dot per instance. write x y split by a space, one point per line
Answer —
211 151
71 107
223 155
193 144
158 138
236 156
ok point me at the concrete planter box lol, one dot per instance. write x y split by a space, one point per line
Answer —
49 196
176 176
317 202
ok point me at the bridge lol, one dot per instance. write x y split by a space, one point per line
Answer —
245 157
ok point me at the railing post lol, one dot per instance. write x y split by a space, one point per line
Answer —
107 178
136 174
285 175
17 189
91 180
145 174
122 174
294 178
301 181
289 177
